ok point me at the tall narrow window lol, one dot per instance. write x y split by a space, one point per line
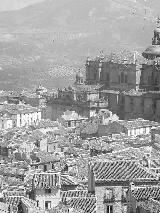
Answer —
47 204
45 168
109 209
119 79
125 78
122 77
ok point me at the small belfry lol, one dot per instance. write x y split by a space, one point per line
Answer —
156 38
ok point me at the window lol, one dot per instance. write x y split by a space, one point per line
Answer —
47 204
144 130
125 79
47 191
53 166
109 209
124 195
108 194
122 77
45 168
37 203
69 123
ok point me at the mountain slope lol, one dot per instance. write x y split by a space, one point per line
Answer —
36 39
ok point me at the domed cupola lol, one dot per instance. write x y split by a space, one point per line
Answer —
153 51
79 78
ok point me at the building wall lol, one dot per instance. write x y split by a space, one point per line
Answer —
28 118
34 102
110 74
118 205
4 207
112 100
5 123
150 77
55 111
42 197
133 107
111 128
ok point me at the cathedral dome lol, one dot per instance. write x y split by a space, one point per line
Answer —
152 52
79 75
79 78
157 30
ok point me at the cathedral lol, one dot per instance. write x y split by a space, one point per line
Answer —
126 74
132 89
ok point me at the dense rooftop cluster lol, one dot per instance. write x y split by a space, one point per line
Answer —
58 158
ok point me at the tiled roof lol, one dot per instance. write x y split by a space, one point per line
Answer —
45 157
12 171
88 205
67 180
13 201
74 193
86 88
44 123
46 180
60 208
19 108
52 180
80 200
137 123
144 193
89 128
121 171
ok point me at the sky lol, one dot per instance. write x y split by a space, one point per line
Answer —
16 4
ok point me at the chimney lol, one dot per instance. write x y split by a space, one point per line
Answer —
153 132
135 57
91 180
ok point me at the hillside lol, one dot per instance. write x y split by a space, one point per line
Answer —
37 39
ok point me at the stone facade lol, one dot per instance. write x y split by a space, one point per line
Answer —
117 201
116 76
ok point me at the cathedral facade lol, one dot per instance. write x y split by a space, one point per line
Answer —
131 89
124 74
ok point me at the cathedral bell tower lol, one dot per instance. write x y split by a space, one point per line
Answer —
156 38
153 51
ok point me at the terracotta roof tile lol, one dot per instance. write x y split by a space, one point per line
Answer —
121 171
80 200
144 193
